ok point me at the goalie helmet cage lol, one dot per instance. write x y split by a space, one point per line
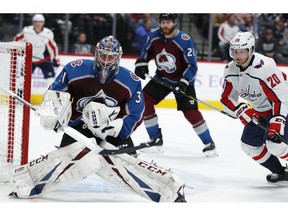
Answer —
15 73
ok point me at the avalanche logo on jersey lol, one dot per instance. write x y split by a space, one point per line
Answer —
166 61
108 101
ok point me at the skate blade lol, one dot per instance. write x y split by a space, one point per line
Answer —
279 183
211 153
152 149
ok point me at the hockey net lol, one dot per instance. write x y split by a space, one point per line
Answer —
15 73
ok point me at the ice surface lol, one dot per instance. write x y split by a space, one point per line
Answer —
212 184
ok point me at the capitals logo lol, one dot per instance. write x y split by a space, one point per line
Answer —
166 61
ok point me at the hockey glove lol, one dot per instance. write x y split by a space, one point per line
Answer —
56 62
112 128
244 112
55 110
98 118
141 68
277 124
181 86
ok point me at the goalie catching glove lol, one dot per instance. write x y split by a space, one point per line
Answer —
100 120
55 110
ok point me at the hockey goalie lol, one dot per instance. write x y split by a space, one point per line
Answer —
74 162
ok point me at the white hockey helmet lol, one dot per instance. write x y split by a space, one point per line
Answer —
242 40
38 17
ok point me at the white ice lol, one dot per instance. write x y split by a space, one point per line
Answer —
231 179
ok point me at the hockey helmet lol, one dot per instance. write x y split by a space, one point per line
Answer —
167 16
242 40
108 52
38 17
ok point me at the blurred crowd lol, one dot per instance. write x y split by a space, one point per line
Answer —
270 31
87 29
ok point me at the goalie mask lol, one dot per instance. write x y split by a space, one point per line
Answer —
107 58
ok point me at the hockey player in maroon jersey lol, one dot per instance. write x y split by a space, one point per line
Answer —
256 79
102 103
175 57
103 81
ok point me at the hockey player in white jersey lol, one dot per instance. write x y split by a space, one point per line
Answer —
257 79
45 50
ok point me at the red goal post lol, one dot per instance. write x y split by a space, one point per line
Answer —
15 75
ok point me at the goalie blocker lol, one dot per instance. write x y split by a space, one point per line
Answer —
74 162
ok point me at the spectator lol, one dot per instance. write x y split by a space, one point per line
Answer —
226 32
126 32
279 31
141 34
217 20
285 40
268 46
250 26
148 16
45 50
82 47
2 36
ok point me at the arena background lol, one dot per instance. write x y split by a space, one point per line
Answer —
208 84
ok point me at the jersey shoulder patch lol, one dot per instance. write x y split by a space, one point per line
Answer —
134 76
185 36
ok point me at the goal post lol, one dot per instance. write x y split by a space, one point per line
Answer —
15 73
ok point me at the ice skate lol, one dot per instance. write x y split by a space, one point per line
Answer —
156 146
277 177
180 198
210 150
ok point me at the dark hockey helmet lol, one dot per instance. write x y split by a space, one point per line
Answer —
167 16
108 52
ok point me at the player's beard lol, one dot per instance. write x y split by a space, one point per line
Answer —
168 31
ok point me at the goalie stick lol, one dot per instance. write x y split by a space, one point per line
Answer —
254 120
80 137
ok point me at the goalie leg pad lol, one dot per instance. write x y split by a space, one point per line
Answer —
146 179
62 166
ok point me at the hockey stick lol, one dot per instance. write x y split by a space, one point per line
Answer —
48 60
78 136
189 96
255 120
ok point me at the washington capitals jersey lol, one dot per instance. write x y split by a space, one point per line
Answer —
125 90
262 84
174 57
44 45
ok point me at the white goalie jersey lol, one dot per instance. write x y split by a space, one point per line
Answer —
41 42
262 85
